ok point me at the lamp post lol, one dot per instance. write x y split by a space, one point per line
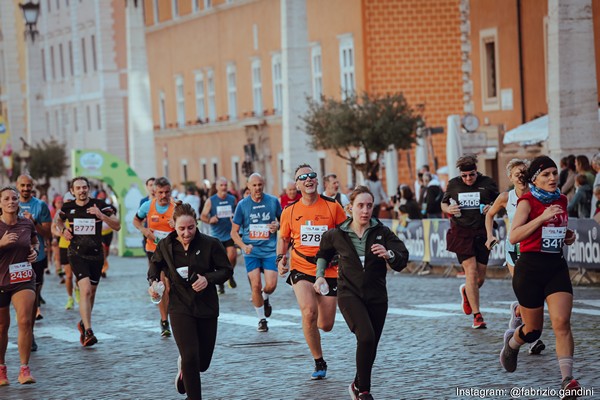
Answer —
31 12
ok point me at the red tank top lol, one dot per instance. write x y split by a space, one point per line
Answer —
550 237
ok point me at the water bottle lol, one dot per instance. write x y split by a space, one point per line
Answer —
324 289
453 203
159 289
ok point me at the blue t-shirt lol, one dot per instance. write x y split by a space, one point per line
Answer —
252 218
223 209
41 214
145 208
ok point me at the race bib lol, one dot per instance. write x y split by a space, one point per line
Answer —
183 272
224 211
84 226
362 261
468 200
160 235
259 232
553 238
310 235
21 272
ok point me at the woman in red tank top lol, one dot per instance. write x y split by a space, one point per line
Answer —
541 272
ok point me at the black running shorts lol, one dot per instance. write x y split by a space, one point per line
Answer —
6 292
296 276
84 268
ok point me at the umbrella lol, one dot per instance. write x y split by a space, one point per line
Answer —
453 145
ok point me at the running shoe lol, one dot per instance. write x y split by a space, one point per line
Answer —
77 296
515 320
466 307
268 308
81 329
70 303
232 283
39 315
508 355
365 396
353 391
179 378
536 347
90 338
320 371
34 345
478 322
42 301
103 274
3 377
221 289
569 385
25 377
262 325
165 329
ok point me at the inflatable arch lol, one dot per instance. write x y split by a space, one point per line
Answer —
127 186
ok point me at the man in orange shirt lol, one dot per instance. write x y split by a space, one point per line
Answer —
158 214
302 225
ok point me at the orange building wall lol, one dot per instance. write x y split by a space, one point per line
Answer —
413 46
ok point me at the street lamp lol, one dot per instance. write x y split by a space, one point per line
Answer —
31 12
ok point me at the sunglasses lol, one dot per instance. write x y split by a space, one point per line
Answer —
303 177
469 175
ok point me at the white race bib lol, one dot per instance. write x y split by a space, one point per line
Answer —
160 235
259 232
362 261
183 272
84 226
468 200
310 235
224 211
553 238
20 272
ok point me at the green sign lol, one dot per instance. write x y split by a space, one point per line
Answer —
127 186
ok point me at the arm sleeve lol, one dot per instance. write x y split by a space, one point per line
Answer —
393 243
326 252
222 267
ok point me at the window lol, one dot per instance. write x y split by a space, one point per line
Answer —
257 87
207 4
347 65
43 65
47 121
98 116
175 8
94 62
52 67
57 4
317 72
489 69
62 62
184 170
71 58
180 101
199 80
215 165
162 110
277 83
75 120
231 92
49 6
155 11
196 5
56 123
212 106
235 170
83 55
203 167
88 115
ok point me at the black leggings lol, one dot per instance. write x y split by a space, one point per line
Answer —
366 322
195 338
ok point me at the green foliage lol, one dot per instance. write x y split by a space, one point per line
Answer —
48 159
370 123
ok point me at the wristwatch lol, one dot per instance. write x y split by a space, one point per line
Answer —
391 254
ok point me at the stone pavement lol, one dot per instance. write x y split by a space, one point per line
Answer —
428 349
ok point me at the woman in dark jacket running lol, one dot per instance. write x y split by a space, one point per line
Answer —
365 247
194 264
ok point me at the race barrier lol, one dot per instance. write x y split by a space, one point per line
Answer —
426 242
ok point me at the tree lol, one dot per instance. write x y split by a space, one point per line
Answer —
360 128
48 159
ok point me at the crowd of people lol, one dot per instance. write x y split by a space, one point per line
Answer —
331 247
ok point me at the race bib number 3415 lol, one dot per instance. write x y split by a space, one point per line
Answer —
553 238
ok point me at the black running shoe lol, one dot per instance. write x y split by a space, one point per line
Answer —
221 289
262 325
268 308
89 339
179 378
536 347
232 283
165 329
81 329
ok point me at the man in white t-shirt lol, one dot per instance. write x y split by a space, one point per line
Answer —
192 199
331 184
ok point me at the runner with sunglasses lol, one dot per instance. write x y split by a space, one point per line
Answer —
467 199
302 225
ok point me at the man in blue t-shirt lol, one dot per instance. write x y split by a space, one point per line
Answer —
254 230
39 213
217 212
